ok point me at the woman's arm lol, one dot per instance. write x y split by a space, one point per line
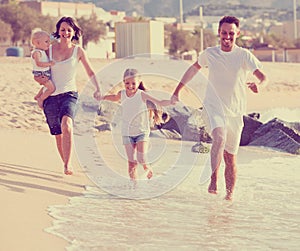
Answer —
90 72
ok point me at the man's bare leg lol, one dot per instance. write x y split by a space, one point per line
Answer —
216 154
230 173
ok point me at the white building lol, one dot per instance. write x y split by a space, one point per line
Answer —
135 38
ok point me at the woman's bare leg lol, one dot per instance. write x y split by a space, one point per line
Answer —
67 141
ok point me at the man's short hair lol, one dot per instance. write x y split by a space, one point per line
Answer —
229 20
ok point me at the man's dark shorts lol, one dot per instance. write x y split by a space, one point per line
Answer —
55 107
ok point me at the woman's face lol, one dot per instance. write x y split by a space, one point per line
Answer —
131 84
66 31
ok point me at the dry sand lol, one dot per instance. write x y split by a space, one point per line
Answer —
30 168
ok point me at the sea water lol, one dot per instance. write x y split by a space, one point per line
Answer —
264 214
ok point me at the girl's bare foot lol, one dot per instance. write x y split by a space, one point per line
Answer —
149 173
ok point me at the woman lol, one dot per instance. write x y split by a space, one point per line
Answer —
59 108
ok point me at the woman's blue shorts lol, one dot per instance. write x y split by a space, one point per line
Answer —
55 107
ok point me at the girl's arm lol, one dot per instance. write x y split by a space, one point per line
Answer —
90 72
37 58
112 97
158 102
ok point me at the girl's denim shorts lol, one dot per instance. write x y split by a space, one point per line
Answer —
134 139
55 107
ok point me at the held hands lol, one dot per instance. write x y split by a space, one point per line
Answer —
97 95
174 99
253 87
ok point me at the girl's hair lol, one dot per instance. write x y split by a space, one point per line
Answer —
73 23
158 115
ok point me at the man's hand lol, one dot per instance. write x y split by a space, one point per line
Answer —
253 87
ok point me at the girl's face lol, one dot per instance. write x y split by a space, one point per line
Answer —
131 84
66 31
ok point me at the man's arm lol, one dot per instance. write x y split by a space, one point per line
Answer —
187 76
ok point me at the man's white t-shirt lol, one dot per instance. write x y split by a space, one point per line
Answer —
227 77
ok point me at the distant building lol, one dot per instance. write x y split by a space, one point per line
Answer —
102 49
59 9
285 29
135 38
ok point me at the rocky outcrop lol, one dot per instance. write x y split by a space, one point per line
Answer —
251 124
186 123
278 134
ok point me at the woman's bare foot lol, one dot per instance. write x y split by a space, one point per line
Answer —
68 172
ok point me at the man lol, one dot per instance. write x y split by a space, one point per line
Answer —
228 66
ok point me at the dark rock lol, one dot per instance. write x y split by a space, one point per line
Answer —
279 140
290 129
188 122
103 127
200 148
251 124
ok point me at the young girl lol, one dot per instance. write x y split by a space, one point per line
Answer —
135 120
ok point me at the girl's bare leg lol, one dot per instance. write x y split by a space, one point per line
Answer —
141 150
132 164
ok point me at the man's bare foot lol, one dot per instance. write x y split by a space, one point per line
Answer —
228 195
68 172
212 188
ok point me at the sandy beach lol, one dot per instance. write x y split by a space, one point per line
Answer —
31 174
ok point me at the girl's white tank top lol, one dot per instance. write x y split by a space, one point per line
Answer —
135 116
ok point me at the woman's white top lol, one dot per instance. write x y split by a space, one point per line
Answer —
63 73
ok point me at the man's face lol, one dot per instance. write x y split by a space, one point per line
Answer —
228 34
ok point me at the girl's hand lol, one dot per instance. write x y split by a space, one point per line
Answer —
97 95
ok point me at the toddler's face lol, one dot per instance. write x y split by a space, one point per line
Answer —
43 42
